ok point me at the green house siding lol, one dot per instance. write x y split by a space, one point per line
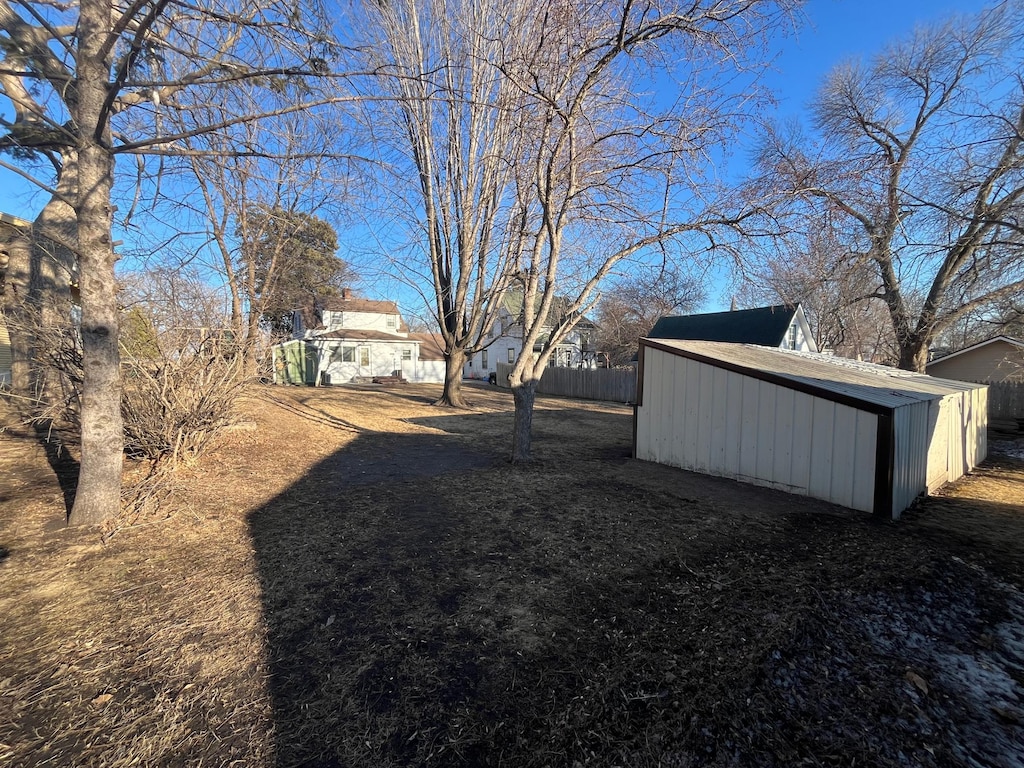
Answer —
295 362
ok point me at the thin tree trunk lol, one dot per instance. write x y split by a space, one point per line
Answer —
452 394
98 497
524 395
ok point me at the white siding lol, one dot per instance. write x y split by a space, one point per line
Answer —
366 321
912 428
382 357
705 418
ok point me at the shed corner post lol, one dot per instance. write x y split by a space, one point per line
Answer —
639 391
885 456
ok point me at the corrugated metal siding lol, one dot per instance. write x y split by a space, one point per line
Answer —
720 422
913 424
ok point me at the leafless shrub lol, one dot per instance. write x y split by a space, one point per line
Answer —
179 389
174 402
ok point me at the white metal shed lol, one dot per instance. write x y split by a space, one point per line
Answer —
864 436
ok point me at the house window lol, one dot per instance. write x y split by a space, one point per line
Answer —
392 321
483 359
792 336
511 354
348 354
364 357
407 354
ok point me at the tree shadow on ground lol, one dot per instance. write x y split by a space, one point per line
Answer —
65 467
427 604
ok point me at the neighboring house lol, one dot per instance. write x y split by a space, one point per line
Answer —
348 339
864 436
782 326
992 361
576 350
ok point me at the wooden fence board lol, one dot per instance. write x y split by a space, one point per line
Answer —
614 385
1006 400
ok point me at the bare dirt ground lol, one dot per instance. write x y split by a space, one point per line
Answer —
356 578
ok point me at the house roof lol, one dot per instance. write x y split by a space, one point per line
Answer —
360 334
868 386
513 299
1005 339
431 345
341 304
765 326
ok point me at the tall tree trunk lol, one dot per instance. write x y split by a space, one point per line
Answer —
98 497
452 396
914 355
524 395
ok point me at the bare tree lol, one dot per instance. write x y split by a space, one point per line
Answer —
92 81
287 171
541 154
630 307
447 139
613 172
836 289
919 152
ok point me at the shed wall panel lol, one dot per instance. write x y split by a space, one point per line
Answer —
700 417
705 412
822 431
733 422
689 375
864 462
912 426
803 406
748 428
765 446
719 417
844 439
782 469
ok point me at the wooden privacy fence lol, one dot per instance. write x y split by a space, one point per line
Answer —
616 385
1006 400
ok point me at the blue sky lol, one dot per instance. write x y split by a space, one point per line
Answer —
834 30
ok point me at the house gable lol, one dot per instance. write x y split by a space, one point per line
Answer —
995 360
775 326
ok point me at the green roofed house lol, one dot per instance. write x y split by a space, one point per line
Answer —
781 326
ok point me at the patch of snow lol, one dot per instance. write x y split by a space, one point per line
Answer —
1012 448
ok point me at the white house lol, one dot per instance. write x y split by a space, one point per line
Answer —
856 434
347 339
576 350
783 326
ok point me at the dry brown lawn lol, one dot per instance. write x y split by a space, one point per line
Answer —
354 577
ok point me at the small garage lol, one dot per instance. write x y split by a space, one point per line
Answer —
863 436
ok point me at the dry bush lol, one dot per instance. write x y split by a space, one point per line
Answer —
174 402
179 386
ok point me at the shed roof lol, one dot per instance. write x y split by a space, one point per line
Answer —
873 387
765 326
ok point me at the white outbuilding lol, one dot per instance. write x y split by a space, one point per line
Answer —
864 436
